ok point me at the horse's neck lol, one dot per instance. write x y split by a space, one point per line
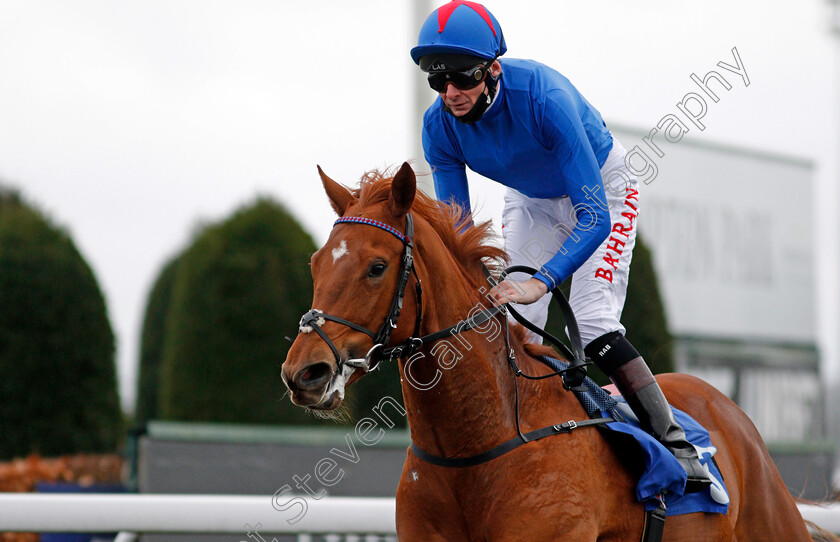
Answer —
459 392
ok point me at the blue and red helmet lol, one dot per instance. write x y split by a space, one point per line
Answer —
460 27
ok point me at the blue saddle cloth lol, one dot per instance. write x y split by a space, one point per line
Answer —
663 475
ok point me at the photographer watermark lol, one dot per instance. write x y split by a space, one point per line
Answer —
672 127
423 374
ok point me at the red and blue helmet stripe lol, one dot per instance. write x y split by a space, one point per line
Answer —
460 27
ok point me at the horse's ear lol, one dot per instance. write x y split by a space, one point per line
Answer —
403 190
340 196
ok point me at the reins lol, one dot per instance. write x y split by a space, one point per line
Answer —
572 377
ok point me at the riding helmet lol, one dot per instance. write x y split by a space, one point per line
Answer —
459 27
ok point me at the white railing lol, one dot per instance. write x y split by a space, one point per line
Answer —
148 513
825 516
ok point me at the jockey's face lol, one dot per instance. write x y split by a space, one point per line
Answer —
462 101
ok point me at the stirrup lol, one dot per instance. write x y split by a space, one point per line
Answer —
698 476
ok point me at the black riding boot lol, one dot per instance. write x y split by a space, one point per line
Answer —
641 391
656 417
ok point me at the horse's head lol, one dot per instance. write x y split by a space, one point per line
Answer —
356 274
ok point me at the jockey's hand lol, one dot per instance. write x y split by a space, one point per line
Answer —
522 292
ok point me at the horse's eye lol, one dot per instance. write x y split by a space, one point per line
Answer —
377 269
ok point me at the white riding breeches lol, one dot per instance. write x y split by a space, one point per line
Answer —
534 230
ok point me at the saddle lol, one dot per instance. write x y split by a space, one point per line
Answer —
661 485
662 479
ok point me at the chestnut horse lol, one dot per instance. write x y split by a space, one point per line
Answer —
460 394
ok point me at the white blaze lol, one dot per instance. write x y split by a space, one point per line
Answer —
339 251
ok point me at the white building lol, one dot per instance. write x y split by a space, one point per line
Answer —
731 233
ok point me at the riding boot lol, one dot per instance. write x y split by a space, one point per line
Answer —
656 417
637 385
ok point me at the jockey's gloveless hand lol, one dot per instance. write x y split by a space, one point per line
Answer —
521 292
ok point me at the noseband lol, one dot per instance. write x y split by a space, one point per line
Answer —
314 319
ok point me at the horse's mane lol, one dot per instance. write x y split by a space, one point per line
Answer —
469 245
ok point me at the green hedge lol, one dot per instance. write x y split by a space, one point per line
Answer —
57 373
151 343
644 313
236 292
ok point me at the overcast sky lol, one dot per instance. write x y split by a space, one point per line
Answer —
131 123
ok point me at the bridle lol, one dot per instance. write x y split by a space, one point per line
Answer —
572 376
380 351
314 319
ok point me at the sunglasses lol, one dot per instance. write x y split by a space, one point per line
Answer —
463 80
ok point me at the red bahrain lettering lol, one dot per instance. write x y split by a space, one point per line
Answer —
615 246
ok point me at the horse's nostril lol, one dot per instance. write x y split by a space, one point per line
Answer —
313 376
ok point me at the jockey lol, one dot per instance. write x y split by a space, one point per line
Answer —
571 202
